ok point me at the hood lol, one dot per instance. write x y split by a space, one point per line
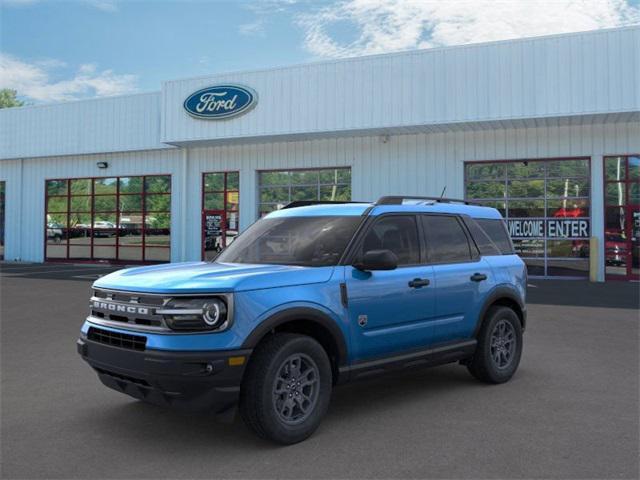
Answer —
203 277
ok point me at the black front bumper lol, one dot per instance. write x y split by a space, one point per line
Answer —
190 380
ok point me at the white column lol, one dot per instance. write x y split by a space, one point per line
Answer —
184 205
597 210
248 197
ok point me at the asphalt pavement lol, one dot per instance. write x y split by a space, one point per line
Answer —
571 411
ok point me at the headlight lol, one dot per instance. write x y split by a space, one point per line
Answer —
196 314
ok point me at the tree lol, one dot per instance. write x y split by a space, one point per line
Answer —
8 98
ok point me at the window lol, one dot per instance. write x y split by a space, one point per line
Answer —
278 188
622 216
396 233
547 207
305 241
497 232
446 240
220 211
481 238
122 219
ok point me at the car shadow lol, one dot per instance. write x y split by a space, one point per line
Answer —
194 432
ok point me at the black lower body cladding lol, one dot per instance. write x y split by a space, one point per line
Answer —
187 380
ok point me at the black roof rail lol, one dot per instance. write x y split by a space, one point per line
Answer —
306 203
397 200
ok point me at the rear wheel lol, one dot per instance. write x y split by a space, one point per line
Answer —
286 389
499 346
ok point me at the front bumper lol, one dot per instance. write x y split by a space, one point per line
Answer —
189 380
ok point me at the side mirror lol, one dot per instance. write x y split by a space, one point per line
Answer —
377 260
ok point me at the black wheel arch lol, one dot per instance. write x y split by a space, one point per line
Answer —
505 296
307 321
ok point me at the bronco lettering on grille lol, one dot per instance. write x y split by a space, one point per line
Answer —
118 307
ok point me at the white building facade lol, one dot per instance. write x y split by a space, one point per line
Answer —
545 129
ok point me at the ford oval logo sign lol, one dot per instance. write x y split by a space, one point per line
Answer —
220 101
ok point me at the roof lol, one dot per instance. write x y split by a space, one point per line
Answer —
357 209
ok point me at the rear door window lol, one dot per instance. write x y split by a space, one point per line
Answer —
446 239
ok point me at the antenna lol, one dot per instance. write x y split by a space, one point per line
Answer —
442 194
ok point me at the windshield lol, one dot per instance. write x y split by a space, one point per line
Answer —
305 241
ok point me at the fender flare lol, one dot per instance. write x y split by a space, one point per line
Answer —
299 313
499 293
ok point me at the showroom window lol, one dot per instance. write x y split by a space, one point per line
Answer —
622 217
2 188
220 211
547 207
279 187
116 219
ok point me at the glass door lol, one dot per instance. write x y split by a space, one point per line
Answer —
622 217
220 212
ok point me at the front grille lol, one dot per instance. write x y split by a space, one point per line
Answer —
116 339
134 309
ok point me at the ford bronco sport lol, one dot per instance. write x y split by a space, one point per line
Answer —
308 297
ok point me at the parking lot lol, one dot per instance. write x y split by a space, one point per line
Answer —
571 411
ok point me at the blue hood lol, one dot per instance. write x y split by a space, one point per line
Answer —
202 277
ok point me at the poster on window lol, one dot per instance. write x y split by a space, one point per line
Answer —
550 228
213 224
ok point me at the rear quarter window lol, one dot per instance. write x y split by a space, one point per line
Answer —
492 239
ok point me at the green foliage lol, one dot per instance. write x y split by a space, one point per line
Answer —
8 98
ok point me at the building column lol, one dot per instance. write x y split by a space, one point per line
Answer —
184 206
597 211
248 197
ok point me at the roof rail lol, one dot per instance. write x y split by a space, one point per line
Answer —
397 200
306 203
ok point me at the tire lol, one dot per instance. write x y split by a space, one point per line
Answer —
274 409
497 364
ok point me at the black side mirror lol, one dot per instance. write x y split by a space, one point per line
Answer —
377 260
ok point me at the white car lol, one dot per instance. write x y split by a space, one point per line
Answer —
108 227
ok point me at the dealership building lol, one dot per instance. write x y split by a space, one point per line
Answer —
545 129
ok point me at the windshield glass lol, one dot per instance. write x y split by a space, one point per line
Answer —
305 241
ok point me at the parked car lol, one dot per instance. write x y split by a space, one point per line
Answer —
54 232
615 249
309 297
103 228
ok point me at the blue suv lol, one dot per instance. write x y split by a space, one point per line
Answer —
310 296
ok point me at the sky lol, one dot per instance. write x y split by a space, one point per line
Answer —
56 50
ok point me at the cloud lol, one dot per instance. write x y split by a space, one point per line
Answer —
379 26
34 80
104 5
16 3
255 28
265 7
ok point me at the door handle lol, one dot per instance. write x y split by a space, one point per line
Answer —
419 282
478 277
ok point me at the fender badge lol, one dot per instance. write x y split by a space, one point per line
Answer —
362 320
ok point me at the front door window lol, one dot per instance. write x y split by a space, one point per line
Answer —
622 217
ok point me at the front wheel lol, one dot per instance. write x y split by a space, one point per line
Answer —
286 389
499 346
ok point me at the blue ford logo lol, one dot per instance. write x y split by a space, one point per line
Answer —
220 101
